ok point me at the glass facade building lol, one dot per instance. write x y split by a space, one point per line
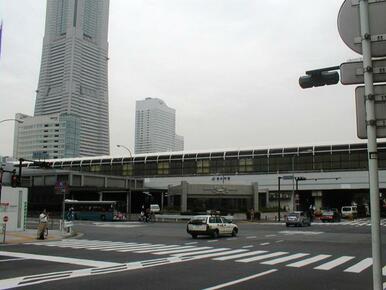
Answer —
73 73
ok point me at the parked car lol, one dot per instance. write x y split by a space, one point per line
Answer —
298 218
211 225
349 211
154 208
330 215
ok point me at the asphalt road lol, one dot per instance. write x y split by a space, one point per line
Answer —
163 256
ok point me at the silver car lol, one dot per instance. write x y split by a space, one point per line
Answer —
298 219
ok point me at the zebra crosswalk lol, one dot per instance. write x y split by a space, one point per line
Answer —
320 261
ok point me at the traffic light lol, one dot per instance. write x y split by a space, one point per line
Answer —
319 77
14 179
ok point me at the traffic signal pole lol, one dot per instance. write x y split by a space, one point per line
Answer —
371 144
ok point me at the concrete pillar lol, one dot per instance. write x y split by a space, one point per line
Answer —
317 194
100 196
184 196
255 193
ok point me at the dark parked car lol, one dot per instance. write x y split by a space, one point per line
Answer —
330 215
298 218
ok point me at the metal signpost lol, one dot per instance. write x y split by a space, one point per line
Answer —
362 26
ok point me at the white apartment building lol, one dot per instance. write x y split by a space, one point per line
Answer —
73 72
155 127
46 137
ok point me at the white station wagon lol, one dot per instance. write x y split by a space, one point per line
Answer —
211 225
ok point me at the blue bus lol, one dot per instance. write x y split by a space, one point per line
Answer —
92 210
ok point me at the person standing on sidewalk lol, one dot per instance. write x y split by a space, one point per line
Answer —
43 223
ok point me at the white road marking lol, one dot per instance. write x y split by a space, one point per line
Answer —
221 286
268 236
201 252
181 250
308 261
158 248
9 260
300 233
212 241
285 259
264 244
82 262
251 237
262 257
334 263
191 243
249 246
239 256
279 241
216 254
359 267
133 249
54 276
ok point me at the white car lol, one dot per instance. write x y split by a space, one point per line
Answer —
349 211
154 208
211 225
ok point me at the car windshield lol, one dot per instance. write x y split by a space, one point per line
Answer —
346 208
293 214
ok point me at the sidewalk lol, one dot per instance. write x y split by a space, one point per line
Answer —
28 236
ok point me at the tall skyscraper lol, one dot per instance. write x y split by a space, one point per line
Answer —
155 127
73 73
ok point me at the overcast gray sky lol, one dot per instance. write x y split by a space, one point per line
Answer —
230 68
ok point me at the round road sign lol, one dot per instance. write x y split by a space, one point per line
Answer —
350 31
5 219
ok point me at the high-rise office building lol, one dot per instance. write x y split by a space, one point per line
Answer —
155 127
46 137
73 73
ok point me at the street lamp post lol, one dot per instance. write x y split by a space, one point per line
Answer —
278 197
16 120
128 195
124 147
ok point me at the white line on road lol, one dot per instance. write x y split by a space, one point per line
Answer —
246 247
251 237
201 252
181 250
268 236
239 255
334 263
212 241
215 254
308 261
285 259
300 233
241 280
264 244
9 260
359 267
82 262
191 243
262 257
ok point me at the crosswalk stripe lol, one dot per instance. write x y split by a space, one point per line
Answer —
217 254
308 261
239 256
118 248
150 248
262 257
285 259
138 246
359 267
158 248
200 252
181 250
334 263
176 247
131 246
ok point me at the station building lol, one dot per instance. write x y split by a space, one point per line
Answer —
235 180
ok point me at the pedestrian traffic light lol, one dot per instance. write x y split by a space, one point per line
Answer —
319 77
